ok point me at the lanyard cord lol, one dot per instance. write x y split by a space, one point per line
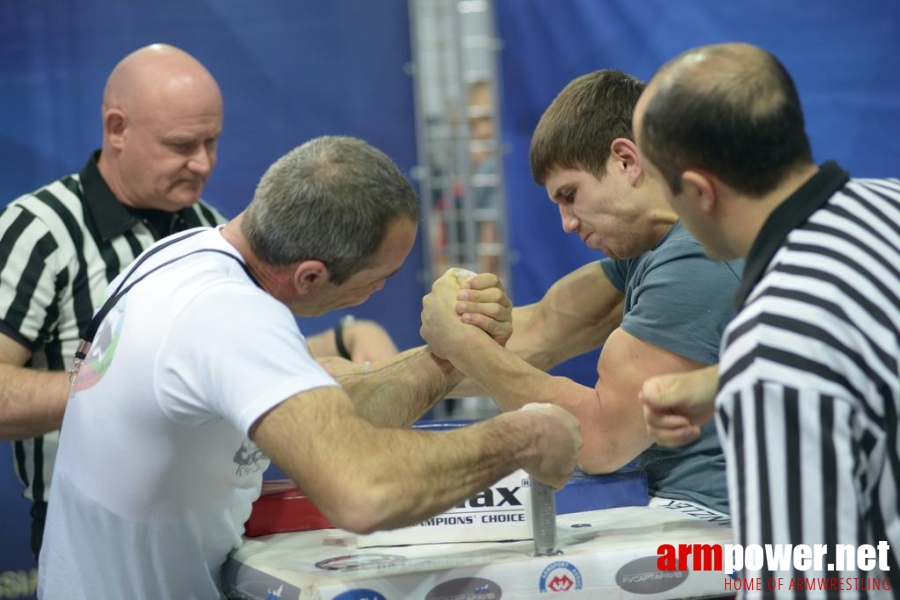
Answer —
88 338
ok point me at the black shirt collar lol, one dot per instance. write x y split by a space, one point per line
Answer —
789 215
113 218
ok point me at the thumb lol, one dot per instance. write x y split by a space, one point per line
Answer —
463 275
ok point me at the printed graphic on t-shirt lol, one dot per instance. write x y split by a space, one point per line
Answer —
103 348
247 458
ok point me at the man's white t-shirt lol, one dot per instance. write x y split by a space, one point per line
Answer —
156 472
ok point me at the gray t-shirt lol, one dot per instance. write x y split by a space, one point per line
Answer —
678 299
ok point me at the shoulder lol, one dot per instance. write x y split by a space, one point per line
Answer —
49 217
63 195
677 244
680 259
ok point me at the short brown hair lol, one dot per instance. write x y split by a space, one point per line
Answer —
576 130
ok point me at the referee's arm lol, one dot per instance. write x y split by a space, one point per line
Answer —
32 401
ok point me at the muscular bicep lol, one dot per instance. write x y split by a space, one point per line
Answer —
625 363
575 316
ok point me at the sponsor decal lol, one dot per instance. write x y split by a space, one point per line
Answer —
560 576
468 588
358 562
491 497
245 582
274 594
642 576
360 594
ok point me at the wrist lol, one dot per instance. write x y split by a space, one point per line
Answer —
525 431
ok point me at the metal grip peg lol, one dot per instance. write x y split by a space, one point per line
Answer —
543 518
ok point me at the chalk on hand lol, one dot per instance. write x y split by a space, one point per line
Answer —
463 274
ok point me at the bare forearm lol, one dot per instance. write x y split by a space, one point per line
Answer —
366 478
576 315
545 335
32 402
399 392
504 376
445 469
612 427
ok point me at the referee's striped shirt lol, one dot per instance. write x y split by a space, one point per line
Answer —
60 246
810 389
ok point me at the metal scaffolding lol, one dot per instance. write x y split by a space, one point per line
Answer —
460 162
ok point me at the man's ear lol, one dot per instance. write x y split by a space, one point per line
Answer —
702 189
625 154
114 128
310 276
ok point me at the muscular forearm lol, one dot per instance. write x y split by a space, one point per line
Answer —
366 478
397 393
612 427
32 402
545 341
576 315
443 469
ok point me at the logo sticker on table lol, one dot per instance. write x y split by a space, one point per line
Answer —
466 588
360 594
560 576
642 576
359 562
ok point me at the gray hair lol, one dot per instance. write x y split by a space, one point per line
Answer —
331 200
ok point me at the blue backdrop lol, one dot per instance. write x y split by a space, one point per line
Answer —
293 70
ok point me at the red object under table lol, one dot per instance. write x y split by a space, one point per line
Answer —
281 508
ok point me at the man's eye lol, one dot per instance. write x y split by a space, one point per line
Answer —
182 146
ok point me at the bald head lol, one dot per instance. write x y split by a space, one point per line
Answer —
155 74
162 116
730 109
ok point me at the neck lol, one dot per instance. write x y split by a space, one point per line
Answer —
749 215
662 221
268 276
660 216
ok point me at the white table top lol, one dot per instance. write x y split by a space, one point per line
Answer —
605 553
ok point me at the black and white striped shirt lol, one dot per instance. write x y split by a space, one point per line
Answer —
60 246
810 389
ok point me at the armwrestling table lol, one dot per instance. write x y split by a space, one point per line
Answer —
609 553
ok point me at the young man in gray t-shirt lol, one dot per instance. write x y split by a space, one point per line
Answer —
657 305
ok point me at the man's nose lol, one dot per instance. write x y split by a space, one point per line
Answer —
570 222
203 160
